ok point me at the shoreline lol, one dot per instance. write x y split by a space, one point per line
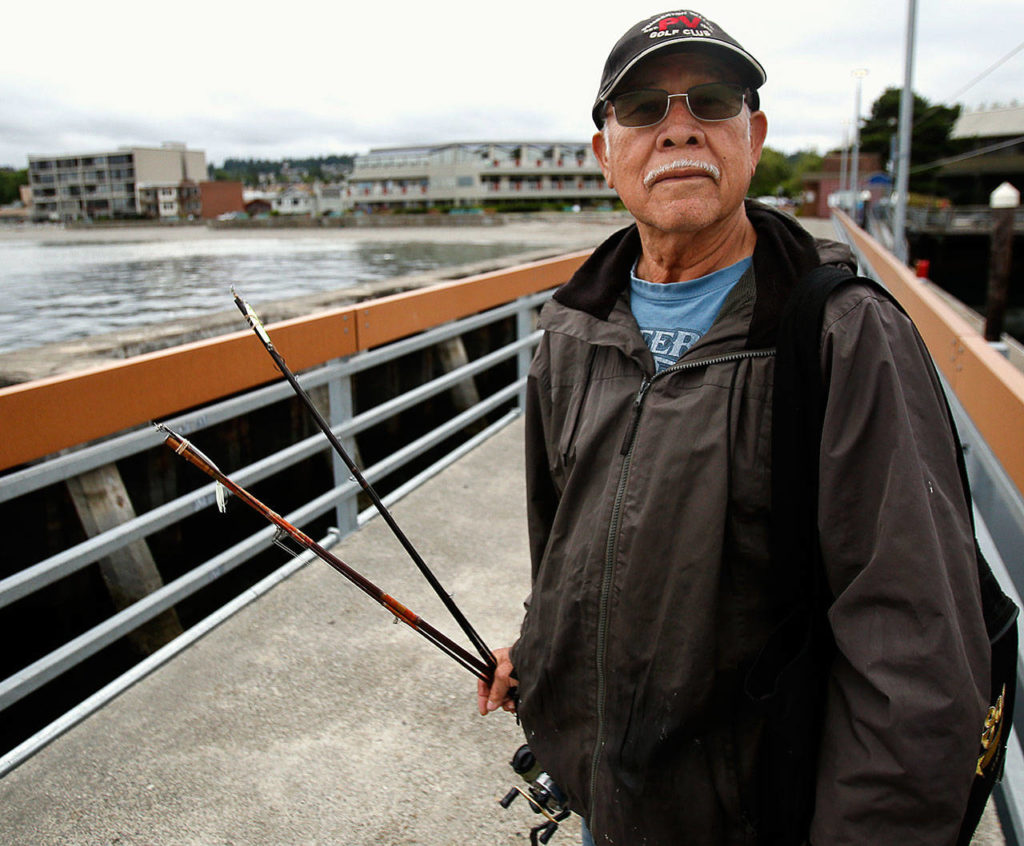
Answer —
554 227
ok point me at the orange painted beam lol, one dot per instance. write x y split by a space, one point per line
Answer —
41 417
400 315
990 389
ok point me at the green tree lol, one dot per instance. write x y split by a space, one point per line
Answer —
779 174
771 175
930 137
801 162
10 181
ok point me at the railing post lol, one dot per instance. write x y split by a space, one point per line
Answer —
524 327
339 393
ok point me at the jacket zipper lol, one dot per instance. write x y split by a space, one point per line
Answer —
613 531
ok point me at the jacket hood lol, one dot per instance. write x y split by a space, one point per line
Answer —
785 253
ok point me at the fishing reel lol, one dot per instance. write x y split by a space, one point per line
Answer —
542 794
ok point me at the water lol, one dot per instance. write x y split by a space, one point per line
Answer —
58 291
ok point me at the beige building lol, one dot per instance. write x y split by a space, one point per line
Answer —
492 174
156 182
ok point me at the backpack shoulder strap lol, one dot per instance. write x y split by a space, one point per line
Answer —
798 412
788 679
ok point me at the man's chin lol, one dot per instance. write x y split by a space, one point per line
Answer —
681 214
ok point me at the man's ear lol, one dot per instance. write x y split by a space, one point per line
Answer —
600 147
758 133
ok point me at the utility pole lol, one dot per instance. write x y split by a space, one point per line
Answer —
899 221
859 75
843 162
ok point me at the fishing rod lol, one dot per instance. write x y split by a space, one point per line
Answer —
190 453
257 326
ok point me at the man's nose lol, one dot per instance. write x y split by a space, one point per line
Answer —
680 127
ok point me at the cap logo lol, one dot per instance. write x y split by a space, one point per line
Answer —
667 26
665 23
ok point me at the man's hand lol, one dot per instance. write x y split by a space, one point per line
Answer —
499 692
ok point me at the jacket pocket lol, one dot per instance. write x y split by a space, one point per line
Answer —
573 414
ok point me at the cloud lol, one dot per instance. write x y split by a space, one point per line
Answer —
332 79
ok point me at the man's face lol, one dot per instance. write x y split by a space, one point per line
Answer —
682 197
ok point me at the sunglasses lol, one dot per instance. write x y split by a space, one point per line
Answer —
709 102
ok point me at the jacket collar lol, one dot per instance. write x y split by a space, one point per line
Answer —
785 252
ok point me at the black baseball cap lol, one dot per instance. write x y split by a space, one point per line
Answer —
686 29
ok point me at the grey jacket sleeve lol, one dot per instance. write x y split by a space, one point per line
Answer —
906 697
542 496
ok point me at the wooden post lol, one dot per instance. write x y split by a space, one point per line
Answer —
453 355
1003 202
130 573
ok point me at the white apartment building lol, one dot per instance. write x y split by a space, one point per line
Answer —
157 182
489 173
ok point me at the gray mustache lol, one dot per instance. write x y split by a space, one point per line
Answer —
682 164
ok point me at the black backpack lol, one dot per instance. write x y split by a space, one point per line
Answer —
788 680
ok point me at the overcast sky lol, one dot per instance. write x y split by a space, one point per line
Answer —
313 78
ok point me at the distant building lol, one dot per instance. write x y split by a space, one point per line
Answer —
313 200
295 199
156 182
169 202
996 138
217 198
491 174
258 207
821 189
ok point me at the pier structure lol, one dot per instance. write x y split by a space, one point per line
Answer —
292 713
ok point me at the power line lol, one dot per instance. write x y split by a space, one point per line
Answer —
938 106
963 156
989 70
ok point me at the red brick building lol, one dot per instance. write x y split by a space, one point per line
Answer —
818 187
217 198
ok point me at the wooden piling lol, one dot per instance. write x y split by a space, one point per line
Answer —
999 272
1003 202
130 573
452 355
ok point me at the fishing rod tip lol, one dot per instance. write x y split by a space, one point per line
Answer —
164 430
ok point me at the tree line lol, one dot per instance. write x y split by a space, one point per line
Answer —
252 172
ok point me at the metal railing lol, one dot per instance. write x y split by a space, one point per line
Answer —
993 463
333 377
956 219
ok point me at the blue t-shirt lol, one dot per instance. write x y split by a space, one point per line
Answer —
673 315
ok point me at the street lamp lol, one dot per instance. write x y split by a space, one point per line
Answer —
859 75
843 162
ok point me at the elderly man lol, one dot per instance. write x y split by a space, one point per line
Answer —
649 481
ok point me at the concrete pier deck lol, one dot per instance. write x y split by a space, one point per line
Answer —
309 718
